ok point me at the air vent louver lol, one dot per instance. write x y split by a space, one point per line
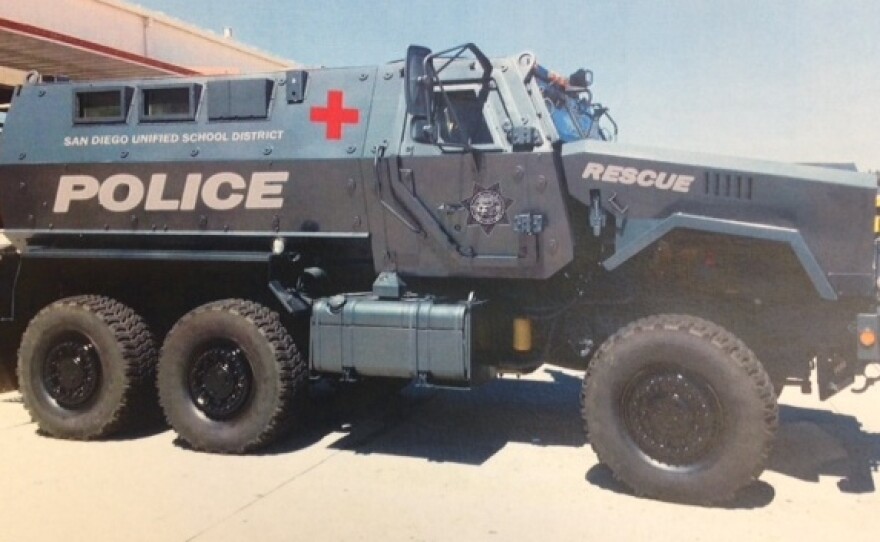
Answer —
728 185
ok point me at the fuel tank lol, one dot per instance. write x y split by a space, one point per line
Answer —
370 336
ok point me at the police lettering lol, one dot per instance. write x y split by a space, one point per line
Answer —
124 192
648 178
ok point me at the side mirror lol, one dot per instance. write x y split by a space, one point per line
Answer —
418 88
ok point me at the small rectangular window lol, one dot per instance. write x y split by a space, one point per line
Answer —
169 103
461 117
239 99
102 105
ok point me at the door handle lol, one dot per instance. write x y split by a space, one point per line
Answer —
451 208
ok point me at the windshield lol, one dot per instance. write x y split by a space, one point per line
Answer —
573 112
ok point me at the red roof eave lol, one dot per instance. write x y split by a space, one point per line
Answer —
92 47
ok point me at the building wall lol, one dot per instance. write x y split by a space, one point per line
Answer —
138 31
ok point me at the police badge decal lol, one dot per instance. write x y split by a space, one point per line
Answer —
487 207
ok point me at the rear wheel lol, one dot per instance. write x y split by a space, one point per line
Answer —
86 367
679 409
230 377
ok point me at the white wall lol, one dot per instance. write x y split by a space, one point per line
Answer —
134 30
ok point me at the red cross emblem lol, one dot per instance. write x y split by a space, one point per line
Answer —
335 115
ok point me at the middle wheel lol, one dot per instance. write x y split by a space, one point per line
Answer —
229 377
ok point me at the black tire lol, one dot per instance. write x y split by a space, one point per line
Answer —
679 409
86 367
230 377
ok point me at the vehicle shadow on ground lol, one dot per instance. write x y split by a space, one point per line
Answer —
150 423
448 425
813 443
757 495
471 427
810 443
13 398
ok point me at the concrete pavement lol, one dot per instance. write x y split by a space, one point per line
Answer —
507 461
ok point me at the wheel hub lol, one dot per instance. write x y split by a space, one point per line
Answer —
673 416
220 381
72 373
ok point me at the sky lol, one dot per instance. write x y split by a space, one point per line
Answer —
785 80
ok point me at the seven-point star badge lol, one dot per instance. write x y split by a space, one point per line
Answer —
487 207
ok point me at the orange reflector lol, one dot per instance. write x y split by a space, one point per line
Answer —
867 338
877 217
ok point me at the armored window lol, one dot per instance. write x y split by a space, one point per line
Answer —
169 103
102 105
239 99
460 114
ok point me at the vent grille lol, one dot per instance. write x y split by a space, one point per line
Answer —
728 185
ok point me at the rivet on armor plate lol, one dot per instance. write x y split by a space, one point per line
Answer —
542 183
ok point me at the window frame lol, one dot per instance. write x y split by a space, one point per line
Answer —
194 93
224 94
125 93
489 111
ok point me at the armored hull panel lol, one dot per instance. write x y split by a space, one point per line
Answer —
825 215
248 155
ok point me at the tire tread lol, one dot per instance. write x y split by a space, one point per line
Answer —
139 355
725 341
291 370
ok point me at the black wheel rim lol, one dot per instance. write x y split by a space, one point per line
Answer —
71 372
220 380
673 416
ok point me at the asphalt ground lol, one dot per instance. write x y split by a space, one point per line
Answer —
508 461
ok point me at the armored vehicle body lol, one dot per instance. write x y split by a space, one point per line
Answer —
443 219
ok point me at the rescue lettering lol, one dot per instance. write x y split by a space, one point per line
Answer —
125 192
647 178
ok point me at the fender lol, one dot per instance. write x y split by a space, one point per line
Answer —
651 192
651 231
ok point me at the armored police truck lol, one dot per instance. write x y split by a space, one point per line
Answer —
444 219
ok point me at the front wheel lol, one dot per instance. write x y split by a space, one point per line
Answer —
230 377
679 409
